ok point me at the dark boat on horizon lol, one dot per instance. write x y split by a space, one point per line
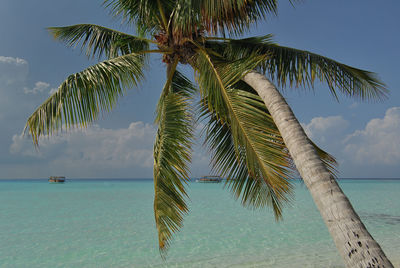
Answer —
57 179
210 179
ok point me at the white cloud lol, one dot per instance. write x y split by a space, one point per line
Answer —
12 71
11 60
39 88
379 142
372 151
13 76
95 148
17 98
324 129
100 152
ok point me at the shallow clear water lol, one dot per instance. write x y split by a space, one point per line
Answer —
105 223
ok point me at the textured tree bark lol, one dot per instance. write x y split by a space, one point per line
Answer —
355 244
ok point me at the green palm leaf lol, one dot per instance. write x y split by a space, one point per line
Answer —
185 19
172 153
292 66
99 40
229 16
234 16
246 143
81 97
149 16
241 167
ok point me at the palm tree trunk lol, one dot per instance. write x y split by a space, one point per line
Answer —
356 246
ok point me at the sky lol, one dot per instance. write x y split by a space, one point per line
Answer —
363 136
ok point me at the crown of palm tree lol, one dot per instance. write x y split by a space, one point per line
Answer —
245 143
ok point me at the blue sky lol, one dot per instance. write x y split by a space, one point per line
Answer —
364 137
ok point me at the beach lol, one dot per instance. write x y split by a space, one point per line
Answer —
110 223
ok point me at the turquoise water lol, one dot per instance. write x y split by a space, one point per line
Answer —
110 224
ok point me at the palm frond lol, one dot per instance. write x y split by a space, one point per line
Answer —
147 15
172 153
80 98
297 67
234 16
232 161
100 40
218 17
246 145
185 20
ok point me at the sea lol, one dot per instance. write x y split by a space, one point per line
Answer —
110 223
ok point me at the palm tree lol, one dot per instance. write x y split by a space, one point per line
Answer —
251 132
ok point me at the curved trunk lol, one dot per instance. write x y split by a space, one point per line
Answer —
356 246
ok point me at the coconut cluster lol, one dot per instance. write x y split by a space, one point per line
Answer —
182 47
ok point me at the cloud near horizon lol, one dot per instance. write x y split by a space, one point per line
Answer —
94 147
368 152
378 143
100 152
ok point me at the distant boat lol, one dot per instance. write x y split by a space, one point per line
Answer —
59 179
212 179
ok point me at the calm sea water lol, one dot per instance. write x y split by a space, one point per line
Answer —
110 223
